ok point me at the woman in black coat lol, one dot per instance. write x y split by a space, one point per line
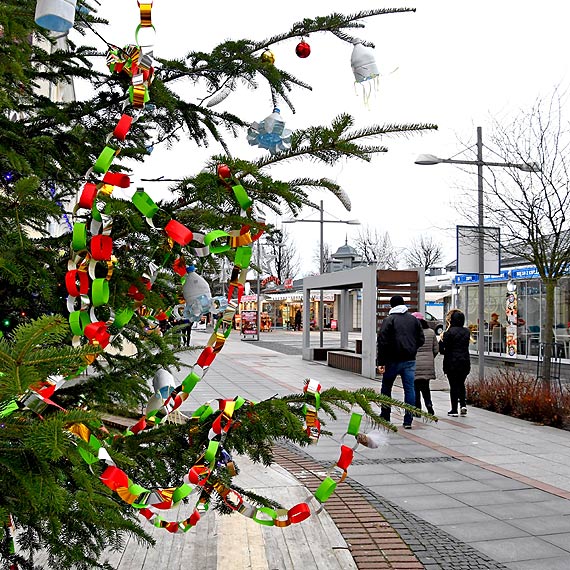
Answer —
454 346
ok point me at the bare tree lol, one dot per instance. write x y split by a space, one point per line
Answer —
424 252
327 255
282 259
532 208
376 247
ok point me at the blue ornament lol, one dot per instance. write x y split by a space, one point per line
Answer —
270 133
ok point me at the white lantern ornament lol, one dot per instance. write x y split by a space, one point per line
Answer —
55 15
365 70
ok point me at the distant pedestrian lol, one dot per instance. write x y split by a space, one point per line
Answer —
399 338
298 320
454 345
425 365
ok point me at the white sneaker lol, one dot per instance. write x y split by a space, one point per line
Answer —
463 411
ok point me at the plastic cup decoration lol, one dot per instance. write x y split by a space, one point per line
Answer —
55 15
365 70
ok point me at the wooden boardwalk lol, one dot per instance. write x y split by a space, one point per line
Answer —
236 542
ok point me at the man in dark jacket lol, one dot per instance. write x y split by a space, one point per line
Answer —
399 338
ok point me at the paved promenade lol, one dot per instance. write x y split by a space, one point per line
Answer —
484 491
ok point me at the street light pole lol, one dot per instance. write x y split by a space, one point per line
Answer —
322 268
429 159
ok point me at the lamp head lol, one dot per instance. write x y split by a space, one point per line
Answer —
428 159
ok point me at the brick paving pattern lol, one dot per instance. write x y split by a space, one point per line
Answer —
382 535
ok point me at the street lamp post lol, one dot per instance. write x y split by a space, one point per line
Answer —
322 222
429 159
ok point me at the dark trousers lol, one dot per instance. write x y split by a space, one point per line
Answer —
422 390
457 389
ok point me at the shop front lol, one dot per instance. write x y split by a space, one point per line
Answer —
515 308
283 307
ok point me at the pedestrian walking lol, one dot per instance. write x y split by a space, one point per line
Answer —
425 365
399 338
454 345
298 320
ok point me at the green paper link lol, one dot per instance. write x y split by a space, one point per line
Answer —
87 456
79 240
94 443
144 204
96 213
211 452
103 163
100 292
263 521
317 400
189 383
241 196
240 401
203 412
78 320
137 490
243 256
213 235
325 490
182 492
8 408
354 424
122 317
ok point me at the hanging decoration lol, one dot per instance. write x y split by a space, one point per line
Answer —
365 70
303 49
197 295
270 133
55 15
267 57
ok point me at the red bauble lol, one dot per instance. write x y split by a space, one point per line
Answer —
224 171
303 49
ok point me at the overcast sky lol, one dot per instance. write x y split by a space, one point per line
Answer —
454 63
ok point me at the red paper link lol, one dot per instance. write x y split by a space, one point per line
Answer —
76 283
194 518
117 179
88 196
206 357
346 456
146 513
299 513
123 127
217 426
179 266
139 426
101 247
113 477
198 475
172 527
239 292
178 232
97 332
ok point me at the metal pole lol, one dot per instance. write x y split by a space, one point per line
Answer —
321 295
481 252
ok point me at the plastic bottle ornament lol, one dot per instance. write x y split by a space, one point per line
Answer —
303 49
270 133
365 69
267 57
197 295
55 15
163 384
372 439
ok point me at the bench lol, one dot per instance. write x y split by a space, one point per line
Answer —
345 360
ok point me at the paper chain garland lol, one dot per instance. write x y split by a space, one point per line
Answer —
87 294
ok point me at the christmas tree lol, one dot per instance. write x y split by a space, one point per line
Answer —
106 271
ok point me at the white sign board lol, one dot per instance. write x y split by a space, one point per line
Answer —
468 249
